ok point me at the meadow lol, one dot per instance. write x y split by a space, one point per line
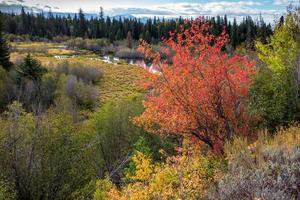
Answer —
119 80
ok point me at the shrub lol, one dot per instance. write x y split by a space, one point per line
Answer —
3 88
102 187
112 127
6 192
62 68
48 89
76 43
49 155
186 176
203 93
82 94
268 169
127 53
96 45
274 95
60 39
88 74
89 44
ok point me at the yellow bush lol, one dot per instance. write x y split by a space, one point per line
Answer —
186 176
144 167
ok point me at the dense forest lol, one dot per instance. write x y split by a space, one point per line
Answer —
153 30
207 124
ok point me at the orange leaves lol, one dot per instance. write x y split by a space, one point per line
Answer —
201 90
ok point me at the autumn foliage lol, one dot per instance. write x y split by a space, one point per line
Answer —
201 91
185 176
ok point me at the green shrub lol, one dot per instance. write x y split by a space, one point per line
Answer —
49 155
6 192
274 97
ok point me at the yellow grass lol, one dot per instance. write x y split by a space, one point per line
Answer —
119 81
61 52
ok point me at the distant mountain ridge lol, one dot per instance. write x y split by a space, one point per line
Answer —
17 8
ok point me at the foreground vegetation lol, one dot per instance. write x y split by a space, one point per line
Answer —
267 169
210 124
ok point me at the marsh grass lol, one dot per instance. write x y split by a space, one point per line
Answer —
119 80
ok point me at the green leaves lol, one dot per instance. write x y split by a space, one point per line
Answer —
273 95
46 152
281 52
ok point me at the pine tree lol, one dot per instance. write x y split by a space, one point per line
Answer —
101 14
118 35
82 24
31 69
4 50
234 34
147 36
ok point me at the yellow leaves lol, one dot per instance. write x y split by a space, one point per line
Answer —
186 176
164 182
144 167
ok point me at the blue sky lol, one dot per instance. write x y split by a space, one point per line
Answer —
270 9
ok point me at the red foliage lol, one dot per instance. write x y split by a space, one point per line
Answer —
203 92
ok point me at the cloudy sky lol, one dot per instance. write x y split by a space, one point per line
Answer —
169 8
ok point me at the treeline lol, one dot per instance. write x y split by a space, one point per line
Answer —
48 26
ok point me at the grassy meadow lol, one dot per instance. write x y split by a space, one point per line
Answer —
120 80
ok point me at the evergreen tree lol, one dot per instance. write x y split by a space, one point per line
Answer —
153 30
118 35
31 69
234 34
4 50
101 14
147 36
82 24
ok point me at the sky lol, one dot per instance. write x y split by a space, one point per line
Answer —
269 9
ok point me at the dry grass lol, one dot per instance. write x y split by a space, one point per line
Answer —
61 52
119 81
41 48
29 45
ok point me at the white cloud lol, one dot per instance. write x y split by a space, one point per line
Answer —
282 2
232 9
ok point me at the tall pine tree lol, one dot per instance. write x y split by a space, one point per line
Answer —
82 24
4 49
234 34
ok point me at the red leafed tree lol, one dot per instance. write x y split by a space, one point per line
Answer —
201 91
